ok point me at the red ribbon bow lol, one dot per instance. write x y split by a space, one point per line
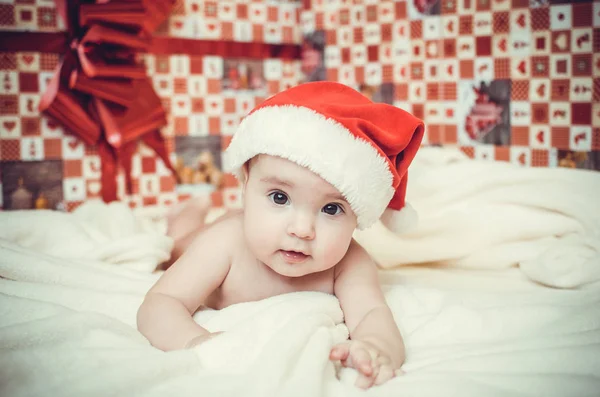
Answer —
100 90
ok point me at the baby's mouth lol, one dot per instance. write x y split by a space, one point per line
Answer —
293 256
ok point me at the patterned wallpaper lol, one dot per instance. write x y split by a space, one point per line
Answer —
510 80
205 97
236 20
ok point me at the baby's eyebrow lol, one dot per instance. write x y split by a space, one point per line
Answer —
276 181
281 182
335 196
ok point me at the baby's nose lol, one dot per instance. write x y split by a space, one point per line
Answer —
302 226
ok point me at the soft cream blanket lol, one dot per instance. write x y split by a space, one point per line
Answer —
474 325
493 215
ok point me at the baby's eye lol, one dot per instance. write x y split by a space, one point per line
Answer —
279 198
332 209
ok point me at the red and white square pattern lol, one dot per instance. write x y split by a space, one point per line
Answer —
189 86
549 53
240 21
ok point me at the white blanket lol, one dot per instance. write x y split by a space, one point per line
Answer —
494 215
68 304
95 231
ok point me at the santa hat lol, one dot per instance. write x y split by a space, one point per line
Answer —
360 147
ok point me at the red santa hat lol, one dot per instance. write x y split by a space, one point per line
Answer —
360 147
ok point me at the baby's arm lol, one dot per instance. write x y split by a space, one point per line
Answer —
165 316
373 330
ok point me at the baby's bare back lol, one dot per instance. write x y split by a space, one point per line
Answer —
249 279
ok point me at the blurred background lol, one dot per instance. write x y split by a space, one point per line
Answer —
503 80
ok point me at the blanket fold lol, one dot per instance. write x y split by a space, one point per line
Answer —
484 215
109 233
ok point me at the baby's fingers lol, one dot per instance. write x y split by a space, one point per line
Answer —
386 372
363 381
340 351
366 381
361 360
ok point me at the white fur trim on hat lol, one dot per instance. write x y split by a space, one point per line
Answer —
326 147
400 221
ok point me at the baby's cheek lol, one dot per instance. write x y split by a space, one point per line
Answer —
333 252
331 258
257 238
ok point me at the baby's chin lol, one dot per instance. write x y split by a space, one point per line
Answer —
296 270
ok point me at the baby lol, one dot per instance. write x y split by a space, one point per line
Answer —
316 162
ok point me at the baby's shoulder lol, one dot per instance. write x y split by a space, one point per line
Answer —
224 235
356 256
229 225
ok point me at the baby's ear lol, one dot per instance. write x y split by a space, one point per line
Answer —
245 175
245 172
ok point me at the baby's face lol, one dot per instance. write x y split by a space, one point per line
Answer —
294 221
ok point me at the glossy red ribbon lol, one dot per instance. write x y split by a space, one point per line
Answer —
100 91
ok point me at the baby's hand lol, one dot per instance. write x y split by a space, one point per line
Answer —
201 339
373 365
